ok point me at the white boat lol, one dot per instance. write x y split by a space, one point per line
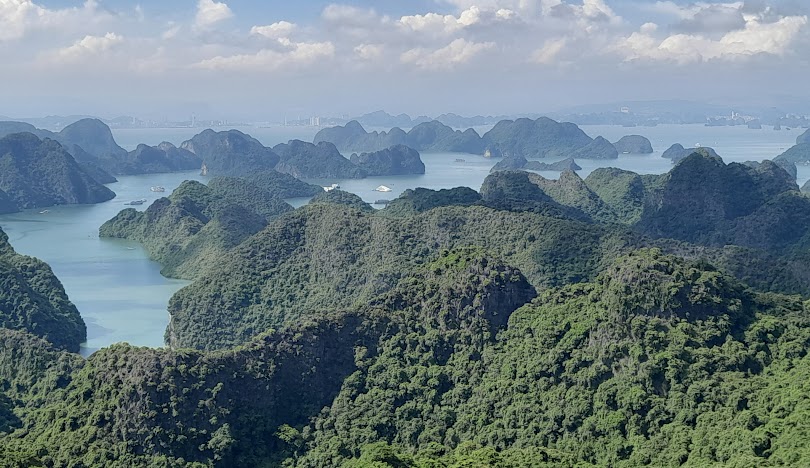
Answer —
382 188
157 188
44 211
331 187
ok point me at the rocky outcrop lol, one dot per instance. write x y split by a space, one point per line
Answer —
231 153
633 144
396 160
568 164
798 154
159 159
322 161
677 152
38 173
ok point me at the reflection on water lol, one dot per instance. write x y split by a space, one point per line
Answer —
122 295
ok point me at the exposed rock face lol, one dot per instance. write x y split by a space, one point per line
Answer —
633 144
677 152
396 160
322 161
231 153
39 173
567 164
159 159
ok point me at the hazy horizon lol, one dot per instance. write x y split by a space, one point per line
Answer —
237 59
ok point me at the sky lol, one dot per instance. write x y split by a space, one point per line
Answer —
264 60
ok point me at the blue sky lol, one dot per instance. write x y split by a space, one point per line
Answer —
257 59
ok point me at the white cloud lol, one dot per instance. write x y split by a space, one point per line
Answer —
19 17
87 47
297 54
370 51
755 38
550 51
210 12
346 15
458 52
275 30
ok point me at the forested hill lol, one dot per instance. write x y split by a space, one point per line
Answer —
533 323
32 299
656 362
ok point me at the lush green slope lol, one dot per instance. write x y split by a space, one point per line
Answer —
281 185
623 191
331 255
37 173
657 363
139 407
541 138
705 201
32 299
194 227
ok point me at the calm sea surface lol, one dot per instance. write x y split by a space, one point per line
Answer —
122 295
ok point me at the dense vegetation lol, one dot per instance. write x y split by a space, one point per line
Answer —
656 361
622 320
38 173
194 227
32 299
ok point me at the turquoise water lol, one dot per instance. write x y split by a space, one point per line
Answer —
122 295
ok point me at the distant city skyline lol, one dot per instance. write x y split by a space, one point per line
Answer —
249 60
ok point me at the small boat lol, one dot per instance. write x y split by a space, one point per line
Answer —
382 202
382 188
332 187
204 170
461 160
136 202
158 189
44 211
